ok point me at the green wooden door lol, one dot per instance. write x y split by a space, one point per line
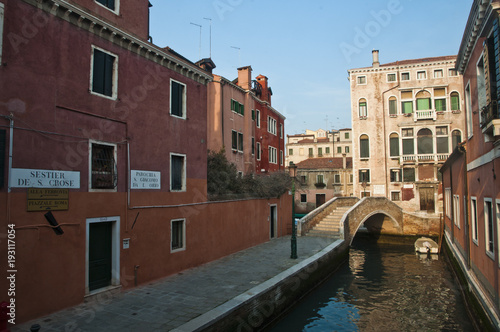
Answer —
99 255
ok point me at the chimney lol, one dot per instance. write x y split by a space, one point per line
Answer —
206 64
245 77
266 90
375 63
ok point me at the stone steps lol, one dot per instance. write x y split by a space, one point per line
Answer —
330 225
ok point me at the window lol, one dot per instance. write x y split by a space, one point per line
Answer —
488 224
447 202
104 75
456 210
455 101
257 118
424 141
423 101
311 153
237 107
110 4
273 155
364 175
395 196
408 143
178 235
442 140
394 145
346 149
234 140
103 171
361 79
319 178
327 150
391 77
405 76
408 175
1 29
339 149
253 115
281 130
393 106
473 214
468 105
407 105
177 172
320 152
258 151
395 175
303 179
346 135
240 142
351 178
271 125
290 152
481 84
303 198
440 99
363 112
364 146
336 178
438 73
456 138
177 99
281 157
452 72
421 75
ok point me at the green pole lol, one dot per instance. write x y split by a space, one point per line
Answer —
294 228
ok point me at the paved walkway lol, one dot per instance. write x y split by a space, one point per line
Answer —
173 301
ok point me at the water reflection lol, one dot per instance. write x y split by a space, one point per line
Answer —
385 287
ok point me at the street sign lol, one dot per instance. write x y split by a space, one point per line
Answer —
43 199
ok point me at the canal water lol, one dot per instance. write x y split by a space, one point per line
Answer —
383 287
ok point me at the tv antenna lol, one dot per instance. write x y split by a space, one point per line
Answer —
199 55
209 19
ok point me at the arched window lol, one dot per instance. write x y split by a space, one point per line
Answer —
455 101
423 101
424 141
456 138
363 112
364 146
394 145
393 106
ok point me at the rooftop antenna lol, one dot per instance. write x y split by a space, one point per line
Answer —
199 56
209 19
239 54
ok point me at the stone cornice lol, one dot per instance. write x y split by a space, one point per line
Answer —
395 67
85 20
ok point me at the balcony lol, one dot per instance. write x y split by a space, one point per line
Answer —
424 115
423 158
490 119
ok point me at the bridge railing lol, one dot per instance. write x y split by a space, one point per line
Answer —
310 220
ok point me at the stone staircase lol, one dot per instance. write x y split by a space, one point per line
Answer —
330 225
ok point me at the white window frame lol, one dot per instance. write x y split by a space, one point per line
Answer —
452 72
115 150
114 94
474 221
487 239
497 211
1 29
117 7
281 157
395 77
281 130
273 155
456 210
184 170
468 106
424 72
438 70
183 248
399 193
409 76
271 125
322 178
359 80
257 118
447 202
184 100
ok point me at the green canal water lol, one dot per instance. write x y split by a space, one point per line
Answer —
383 287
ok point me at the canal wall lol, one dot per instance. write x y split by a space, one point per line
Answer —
262 304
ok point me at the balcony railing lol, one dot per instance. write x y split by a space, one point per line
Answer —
489 113
412 158
424 115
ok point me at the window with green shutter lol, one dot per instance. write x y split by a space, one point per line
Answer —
393 108
394 145
364 146
440 105
407 107
455 101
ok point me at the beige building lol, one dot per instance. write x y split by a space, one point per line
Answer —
318 144
407 117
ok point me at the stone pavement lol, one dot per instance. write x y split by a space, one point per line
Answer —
170 302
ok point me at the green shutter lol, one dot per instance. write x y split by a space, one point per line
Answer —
394 146
407 107
455 106
253 115
242 109
392 107
440 105
423 104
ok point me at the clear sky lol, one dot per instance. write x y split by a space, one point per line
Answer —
306 47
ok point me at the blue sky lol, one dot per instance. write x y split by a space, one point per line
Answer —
306 47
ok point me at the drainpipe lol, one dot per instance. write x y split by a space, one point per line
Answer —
463 150
11 144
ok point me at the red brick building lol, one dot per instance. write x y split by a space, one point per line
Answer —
105 134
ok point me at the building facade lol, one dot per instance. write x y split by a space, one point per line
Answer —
242 121
321 179
318 144
103 157
407 117
470 176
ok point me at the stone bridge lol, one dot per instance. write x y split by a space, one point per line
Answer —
378 214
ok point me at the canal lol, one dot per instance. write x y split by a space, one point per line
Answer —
383 287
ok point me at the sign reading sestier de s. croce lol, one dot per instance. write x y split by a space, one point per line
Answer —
41 178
